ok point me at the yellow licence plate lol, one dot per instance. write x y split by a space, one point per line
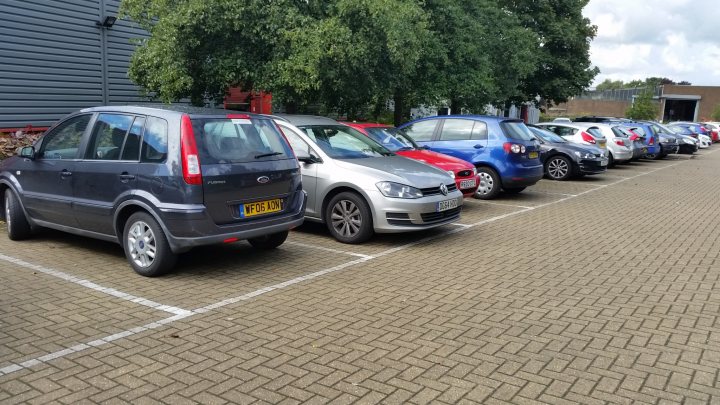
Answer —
260 208
533 155
602 144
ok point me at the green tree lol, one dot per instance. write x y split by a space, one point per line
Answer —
644 108
562 41
716 113
609 84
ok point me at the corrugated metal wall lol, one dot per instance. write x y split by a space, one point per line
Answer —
54 59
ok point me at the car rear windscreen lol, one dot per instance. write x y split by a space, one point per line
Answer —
230 140
517 130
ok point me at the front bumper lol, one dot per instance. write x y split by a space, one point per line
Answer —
191 228
688 148
467 191
393 215
592 166
668 148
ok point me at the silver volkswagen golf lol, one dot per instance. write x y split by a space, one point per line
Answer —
357 187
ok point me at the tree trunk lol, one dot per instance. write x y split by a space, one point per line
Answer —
398 114
455 107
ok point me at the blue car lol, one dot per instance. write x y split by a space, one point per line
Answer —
650 137
503 150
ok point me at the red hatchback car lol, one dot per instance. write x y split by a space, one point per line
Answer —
464 173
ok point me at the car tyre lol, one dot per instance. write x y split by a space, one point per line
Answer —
348 218
489 186
268 242
514 190
146 246
559 168
18 227
611 160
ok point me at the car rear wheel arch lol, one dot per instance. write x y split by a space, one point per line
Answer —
129 208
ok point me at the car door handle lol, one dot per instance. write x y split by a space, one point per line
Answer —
127 177
65 173
478 146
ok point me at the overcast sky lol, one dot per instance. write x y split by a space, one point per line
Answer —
678 39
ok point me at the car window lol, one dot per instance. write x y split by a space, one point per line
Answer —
131 149
296 143
564 131
392 141
343 142
595 132
421 131
517 130
108 136
548 136
620 132
237 140
480 131
154 141
63 141
456 130
639 131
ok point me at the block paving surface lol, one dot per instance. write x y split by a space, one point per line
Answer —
603 289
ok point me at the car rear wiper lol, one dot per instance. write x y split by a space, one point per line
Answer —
268 154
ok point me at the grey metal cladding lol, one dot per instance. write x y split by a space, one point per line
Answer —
56 60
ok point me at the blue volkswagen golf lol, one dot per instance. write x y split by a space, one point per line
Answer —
503 149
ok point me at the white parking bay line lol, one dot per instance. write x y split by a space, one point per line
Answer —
547 192
89 284
501 204
326 249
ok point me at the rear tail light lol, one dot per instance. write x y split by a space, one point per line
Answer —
587 137
189 153
634 137
510 147
652 141
620 142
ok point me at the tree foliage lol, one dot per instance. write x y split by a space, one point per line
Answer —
716 113
353 55
644 108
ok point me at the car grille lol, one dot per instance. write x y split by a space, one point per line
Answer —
436 190
440 216
464 173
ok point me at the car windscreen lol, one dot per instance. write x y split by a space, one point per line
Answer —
516 130
621 132
681 130
639 131
342 142
596 132
230 140
547 136
393 141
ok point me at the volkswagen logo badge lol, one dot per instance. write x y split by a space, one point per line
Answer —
263 179
443 189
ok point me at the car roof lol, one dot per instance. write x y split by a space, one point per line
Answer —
470 117
366 124
305 120
176 108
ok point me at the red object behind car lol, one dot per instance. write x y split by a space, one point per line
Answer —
466 177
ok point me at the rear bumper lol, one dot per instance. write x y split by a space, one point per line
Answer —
523 176
191 228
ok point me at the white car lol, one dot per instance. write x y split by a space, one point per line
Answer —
575 132
704 141
619 146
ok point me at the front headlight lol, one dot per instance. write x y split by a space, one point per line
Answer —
451 173
584 155
691 142
397 190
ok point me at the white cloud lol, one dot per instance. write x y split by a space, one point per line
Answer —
678 39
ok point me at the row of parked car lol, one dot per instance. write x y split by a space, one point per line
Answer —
160 180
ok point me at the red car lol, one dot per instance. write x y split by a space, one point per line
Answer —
464 173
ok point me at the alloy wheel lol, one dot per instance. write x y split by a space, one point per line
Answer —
346 218
486 183
558 168
142 244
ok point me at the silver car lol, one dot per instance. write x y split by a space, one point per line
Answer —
357 187
620 147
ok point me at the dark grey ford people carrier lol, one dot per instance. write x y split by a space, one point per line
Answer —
157 180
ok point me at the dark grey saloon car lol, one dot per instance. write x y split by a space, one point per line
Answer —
157 180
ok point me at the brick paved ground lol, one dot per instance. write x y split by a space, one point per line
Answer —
603 289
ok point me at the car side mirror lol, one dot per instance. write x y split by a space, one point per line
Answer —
305 157
28 152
